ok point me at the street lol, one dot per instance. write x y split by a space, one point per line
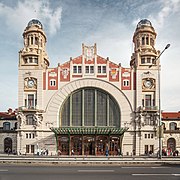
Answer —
12 172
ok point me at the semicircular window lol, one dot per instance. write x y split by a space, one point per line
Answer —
90 107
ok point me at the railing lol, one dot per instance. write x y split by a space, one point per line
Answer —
150 108
172 131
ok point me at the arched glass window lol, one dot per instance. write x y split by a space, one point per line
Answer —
6 125
90 107
172 126
30 119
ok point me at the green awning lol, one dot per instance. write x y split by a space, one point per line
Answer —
88 130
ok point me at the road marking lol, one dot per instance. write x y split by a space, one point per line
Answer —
155 174
100 170
3 170
129 167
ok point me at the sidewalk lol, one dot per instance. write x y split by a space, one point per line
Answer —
88 160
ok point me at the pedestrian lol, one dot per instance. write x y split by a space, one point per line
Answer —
72 152
47 152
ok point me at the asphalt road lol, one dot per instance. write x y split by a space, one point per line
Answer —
89 172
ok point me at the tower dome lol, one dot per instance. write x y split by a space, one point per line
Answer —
144 22
35 22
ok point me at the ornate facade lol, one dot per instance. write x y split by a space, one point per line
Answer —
88 105
171 132
8 134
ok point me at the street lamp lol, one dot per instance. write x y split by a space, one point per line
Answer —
160 141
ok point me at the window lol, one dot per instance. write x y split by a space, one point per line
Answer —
153 61
151 42
143 41
25 60
32 148
31 101
29 135
152 136
30 60
148 136
147 40
148 60
31 40
89 69
6 126
102 69
33 135
52 82
145 136
74 69
142 60
77 69
173 126
99 69
30 119
90 107
27 148
36 40
151 149
125 83
147 100
26 135
36 60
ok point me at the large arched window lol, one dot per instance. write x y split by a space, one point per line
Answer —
90 107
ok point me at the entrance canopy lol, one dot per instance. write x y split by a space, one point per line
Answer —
88 130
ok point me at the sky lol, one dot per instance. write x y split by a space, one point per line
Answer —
109 23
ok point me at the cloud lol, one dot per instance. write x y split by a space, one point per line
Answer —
17 17
169 7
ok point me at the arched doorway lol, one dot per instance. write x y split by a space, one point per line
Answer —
7 145
171 144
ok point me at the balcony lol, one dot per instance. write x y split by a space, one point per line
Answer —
150 108
171 131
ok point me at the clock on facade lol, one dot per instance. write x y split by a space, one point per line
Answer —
30 83
148 83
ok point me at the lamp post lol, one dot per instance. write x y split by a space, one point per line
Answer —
159 124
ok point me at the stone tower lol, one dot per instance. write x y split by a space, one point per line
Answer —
146 93
33 61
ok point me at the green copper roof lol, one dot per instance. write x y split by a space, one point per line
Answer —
89 130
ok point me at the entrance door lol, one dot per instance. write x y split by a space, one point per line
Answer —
89 146
7 145
102 144
171 144
76 145
114 148
63 145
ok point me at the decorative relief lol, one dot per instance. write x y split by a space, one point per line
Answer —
65 73
38 119
114 73
148 83
30 83
21 119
